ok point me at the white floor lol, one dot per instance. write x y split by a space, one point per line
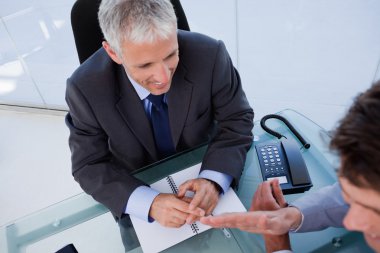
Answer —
34 163
312 56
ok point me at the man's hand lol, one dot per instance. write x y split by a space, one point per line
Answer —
268 197
206 196
260 222
274 224
277 221
170 211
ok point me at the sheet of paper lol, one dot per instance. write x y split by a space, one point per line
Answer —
154 238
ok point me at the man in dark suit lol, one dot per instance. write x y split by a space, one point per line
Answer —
112 117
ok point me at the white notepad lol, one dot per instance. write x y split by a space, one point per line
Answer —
154 238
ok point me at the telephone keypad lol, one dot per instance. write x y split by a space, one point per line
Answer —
271 159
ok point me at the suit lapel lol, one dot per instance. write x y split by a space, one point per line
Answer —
132 111
179 97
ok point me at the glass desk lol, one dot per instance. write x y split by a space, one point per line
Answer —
91 228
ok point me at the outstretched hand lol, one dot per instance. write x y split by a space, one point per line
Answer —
268 215
258 222
277 221
268 196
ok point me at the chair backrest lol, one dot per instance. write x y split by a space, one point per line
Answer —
87 33
70 248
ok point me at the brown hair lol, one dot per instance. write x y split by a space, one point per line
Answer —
357 140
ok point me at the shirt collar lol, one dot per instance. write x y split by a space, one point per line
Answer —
141 91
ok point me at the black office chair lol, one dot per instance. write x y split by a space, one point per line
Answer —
68 249
87 34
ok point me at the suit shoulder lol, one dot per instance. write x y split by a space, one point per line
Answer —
200 48
95 78
196 41
99 67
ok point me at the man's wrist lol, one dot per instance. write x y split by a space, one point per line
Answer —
140 201
295 217
222 180
277 242
216 185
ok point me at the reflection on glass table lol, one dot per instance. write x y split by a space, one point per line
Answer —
91 228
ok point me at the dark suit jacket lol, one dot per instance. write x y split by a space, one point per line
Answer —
111 136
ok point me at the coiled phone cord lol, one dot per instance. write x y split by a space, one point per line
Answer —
287 123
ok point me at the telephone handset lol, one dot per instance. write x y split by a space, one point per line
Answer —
283 160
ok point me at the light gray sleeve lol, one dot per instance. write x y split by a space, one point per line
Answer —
322 209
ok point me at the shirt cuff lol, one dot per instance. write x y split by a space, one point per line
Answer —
223 180
294 230
283 251
140 201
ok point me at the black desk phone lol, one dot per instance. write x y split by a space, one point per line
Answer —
283 160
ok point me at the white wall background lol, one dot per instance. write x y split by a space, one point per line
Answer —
311 56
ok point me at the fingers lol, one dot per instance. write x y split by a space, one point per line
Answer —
199 197
186 186
255 205
260 222
230 220
183 206
171 211
246 221
192 218
207 203
266 191
177 217
263 198
186 199
277 193
211 205
206 194
193 186
268 196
